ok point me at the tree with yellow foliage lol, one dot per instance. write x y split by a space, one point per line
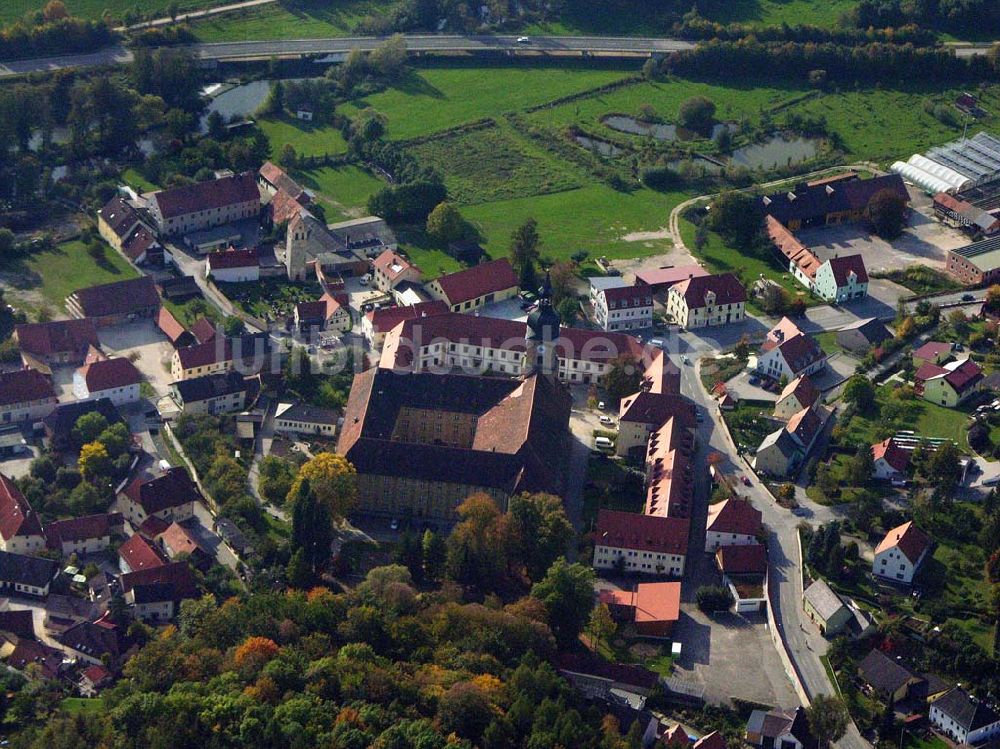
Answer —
332 480
94 460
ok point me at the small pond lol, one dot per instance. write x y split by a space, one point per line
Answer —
659 130
602 147
239 101
700 163
777 151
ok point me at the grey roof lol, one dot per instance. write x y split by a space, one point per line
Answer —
968 712
823 599
20 568
883 673
210 386
781 440
308 414
607 282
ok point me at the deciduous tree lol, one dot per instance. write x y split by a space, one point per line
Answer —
567 591
333 480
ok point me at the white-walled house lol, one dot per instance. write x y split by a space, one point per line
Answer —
20 528
890 460
233 266
733 522
963 718
118 380
899 556
624 308
788 352
841 279
647 544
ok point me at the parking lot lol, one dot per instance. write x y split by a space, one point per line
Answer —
153 349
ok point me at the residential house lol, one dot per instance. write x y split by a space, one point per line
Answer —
48 660
826 609
744 572
327 313
25 395
26 575
233 266
891 461
156 594
864 335
469 289
624 308
94 679
305 420
713 740
20 528
116 220
642 413
842 279
59 424
887 677
56 342
899 555
114 303
948 385
653 608
599 284
805 426
191 208
220 393
932 352
647 544
963 718
139 553
390 269
777 455
91 534
780 729
92 642
233 537
788 352
798 394
141 246
248 354
169 497
702 301
670 471
177 540
376 324
661 279
118 380
205 331
732 522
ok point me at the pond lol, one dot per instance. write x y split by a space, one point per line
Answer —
700 164
239 101
601 147
777 151
660 130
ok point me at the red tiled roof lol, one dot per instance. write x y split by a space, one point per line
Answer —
748 559
633 296
138 242
233 258
653 602
392 264
734 516
713 740
909 539
805 425
83 528
628 530
203 354
656 408
964 376
675 736
27 652
384 320
173 489
669 276
179 539
177 574
153 526
784 329
477 281
311 310
119 215
928 371
284 207
110 373
789 246
16 516
893 454
280 179
802 388
58 336
842 266
96 674
118 298
203 330
140 554
800 352
932 350
726 287
24 385
216 193
167 323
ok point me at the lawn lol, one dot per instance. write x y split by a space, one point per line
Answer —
594 218
306 138
189 311
310 19
922 280
433 262
495 164
137 182
59 272
750 422
435 97
824 13
345 189
75 705
926 419
933 741
11 10
610 485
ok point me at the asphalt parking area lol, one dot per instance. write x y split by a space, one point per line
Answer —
151 348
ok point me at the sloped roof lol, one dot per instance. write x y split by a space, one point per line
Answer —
118 298
800 351
963 375
669 276
86 527
393 265
137 242
387 318
24 385
894 455
805 425
306 413
873 330
110 373
747 559
844 265
781 440
176 574
140 554
823 599
210 386
278 177
58 336
169 325
929 371
804 201
932 350
119 215
789 246
21 568
477 281
713 740
173 489
17 518
629 530
971 714
233 258
204 330
803 389
215 193
655 408
92 639
179 539
726 287
883 673
734 516
910 540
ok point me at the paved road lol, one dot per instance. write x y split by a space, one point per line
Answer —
194 15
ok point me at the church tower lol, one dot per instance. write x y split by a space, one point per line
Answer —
543 330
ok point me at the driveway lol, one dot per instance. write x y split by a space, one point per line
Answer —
144 339
838 368
740 388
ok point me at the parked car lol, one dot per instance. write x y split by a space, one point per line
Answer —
523 40
394 524
607 420
746 480
602 406
603 443
685 359
968 297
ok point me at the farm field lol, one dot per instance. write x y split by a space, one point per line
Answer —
344 190
437 97
11 10
306 138
308 20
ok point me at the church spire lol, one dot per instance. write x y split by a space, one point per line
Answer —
543 330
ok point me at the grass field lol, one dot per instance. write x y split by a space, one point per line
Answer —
308 20
926 419
494 164
306 138
344 190
75 705
593 218
11 10
433 262
436 97
137 182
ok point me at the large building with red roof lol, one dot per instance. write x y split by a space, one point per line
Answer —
707 300
139 553
20 528
170 497
25 395
624 307
375 325
653 608
56 342
191 208
899 555
117 380
90 534
732 522
470 289
647 544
